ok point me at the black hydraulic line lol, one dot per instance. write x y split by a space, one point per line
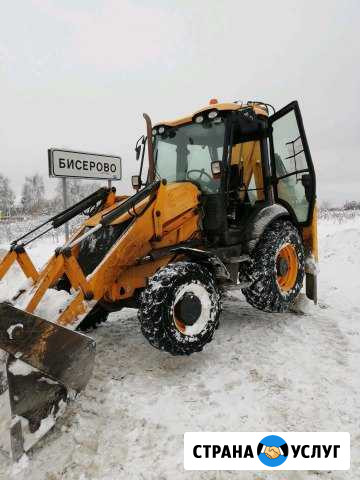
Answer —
79 207
267 105
129 203
69 213
14 242
37 236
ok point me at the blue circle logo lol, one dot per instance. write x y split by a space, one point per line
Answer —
272 451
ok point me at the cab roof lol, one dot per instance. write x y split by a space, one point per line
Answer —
259 109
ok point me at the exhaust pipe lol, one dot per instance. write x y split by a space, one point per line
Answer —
150 147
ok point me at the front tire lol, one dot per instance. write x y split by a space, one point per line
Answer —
277 268
179 310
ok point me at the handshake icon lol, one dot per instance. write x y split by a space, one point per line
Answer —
273 452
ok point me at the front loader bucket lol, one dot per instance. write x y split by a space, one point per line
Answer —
47 365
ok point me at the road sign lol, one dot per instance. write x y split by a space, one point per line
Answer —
67 163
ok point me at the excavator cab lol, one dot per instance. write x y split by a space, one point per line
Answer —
241 159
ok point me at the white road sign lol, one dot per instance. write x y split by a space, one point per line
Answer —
66 163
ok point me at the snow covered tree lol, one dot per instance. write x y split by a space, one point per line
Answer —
7 196
352 205
33 193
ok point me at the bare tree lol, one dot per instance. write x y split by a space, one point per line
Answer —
7 196
33 194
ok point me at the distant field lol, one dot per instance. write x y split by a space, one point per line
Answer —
11 228
339 215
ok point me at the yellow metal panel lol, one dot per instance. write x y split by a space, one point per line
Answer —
310 235
258 173
135 277
180 197
218 106
27 266
75 275
6 263
46 281
236 154
76 308
248 160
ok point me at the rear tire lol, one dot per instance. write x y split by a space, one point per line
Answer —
277 268
179 309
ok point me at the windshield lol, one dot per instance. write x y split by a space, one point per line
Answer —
186 152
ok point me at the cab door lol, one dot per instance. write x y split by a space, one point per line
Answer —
292 168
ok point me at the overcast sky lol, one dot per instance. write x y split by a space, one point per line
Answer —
79 74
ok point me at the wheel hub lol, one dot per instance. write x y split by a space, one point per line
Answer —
188 309
282 266
287 267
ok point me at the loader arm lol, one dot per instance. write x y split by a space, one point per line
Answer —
170 217
160 215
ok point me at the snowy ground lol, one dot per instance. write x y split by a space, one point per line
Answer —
296 372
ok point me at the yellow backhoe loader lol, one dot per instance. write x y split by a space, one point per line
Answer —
227 200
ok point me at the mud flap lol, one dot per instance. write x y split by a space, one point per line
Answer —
311 287
48 365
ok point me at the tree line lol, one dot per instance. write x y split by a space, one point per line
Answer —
348 205
33 200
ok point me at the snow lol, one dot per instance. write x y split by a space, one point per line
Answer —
15 279
12 328
311 265
262 220
303 305
46 424
48 380
52 303
262 372
19 466
21 368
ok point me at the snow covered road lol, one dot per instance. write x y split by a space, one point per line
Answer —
262 372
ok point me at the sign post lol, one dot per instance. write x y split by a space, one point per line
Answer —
64 189
71 164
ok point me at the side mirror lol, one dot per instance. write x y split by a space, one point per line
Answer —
138 151
136 182
216 169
